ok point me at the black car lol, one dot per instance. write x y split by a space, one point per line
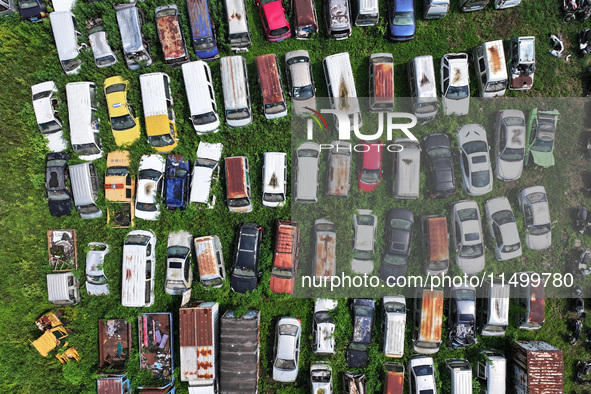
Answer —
32 10
400 224
246 265
440 166
56 173
364 311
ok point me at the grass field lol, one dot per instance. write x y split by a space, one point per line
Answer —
28 56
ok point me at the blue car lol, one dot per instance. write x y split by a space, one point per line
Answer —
176 187
402 22
202 30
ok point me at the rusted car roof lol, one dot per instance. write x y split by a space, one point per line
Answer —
325 254
538 367
109 384
339 172
205 253
304 12
196 337
235 177
384 82
537 303
285 257
171 38
269 79
438 242
431 316
394 378
114 342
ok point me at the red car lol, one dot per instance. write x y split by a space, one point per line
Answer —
274 20
285 257
370 166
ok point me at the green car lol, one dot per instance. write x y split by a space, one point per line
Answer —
541 131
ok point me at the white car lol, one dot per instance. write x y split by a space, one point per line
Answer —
394 325
475 160
44 104
308 155
365 226
323 327
179 273
96 281
421 373
321 377
533 202
149 185
503 229
466 230
455 86
509 144
287 349
205 169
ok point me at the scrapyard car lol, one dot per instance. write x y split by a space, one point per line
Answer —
440 166
300 81
287 349
124 124
370 166
321 377
59 198
103 54
402 21
45 107
421 375
522 62
509 144
541 133
475 160
399 228
365 225
205 169
455 84
96 281
285 257
353 383
274 21
462 317
176 187
503 229
245 269
149 185
323 326
364 310
179 273
466 230
533 203
394 325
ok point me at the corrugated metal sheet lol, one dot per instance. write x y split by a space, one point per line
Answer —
538 368
108 386
431 316
114 342
269 79
235 177
197 336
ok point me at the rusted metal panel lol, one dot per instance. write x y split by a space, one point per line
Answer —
155 344
236 177
537 303
285 259
109 385
384 82
339 170
269 79
438 242
304 12
325 254
394 378
538 368
205 253
171 38
431 316
114 343
197 330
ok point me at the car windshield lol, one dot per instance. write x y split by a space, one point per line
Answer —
480 178
88 209
423 370
425 108
160 141
278 32
307 153
370 177
274 108
281 273
472 251
512 154
118 87
178 173
203 119
362 255
178 252
49 127
437 265
542 146
288 329
403 18
140 240
55 163
436 153
365 220
468 214
496 86
475 146
363 310
58 195
203 44
116 171
273 197
401 224
124 122
96 279
70 65
541 229
150 174
285 364
465 294
395 307
514 121
395 259
466 317
536 197
238 202
323 317
237 114
26 4
211 282
302 92
503 217
458 92
105 60
511 248
146 207
242 271
208 163
86 149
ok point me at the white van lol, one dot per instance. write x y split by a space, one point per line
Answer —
159 115
394 325
423 91
367 12
201 97
455 88
84 125
491 371
238 31
50 125
491 68
274 179
205 169
461 376
406 169
63 289
139 268
236 91
66 36
306 182
85 187
494 308
341 87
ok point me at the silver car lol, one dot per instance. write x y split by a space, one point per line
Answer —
287 349
365 226
509 144
300 82
466 230
103 54
503 229
475 160
179 273
96 281
533 203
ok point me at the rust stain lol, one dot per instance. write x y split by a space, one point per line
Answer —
235 177
269 79
431 315
343 96
457 76
128 274
170 36
495 59
325 252
384 82
438 243
394 383
205 252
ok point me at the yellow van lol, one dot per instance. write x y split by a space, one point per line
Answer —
124 124
160 119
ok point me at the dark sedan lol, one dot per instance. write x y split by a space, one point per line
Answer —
440 166
364 311
58 195
399 227
246 258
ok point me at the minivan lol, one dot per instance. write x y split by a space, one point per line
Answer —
455 88
85 187
532 299
339 169
324 263
460 373
366 12
201 97
63 289
158 112
238 184
423 91
170 34
435 9
393 378
428 318
210 261
494 308
45 107
435 244
269 77
136 49
285 257
342 94
406 168
236 91
238 31
205 169
305 20
102 51
491 69
66 36
202 30
381 82
491 371
274 179
394 325
84 124
337 15
139 268
306 176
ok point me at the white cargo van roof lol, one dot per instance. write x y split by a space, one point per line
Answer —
81 184
42 106
495 57
202 175
195 75
396 326
233 82
340 77
57 286
499 305
154 94
274 175
407 180
80 112
64 32
425 76
307 172
237 22
368 6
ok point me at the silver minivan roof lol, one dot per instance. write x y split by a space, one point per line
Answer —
154 94
234 83
307 173
128 18
425 76
81 184
64 33
43 107
80 104
407 178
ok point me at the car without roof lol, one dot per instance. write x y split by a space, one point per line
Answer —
466 229
149 186
369 174
59 198
462 317
401 20
364 310
274 21
398 233
300 81
179 271
50 125
365 226
522 61
541 134
533 203
287 349
96 281
475 160
125 125
440 166
323 327
509 144
421 379
178 179
245 269
455 86
321 377
502 228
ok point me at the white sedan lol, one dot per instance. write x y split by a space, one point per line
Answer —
149 185
475 160
287 349
96 281
533 202
466 230
502 227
